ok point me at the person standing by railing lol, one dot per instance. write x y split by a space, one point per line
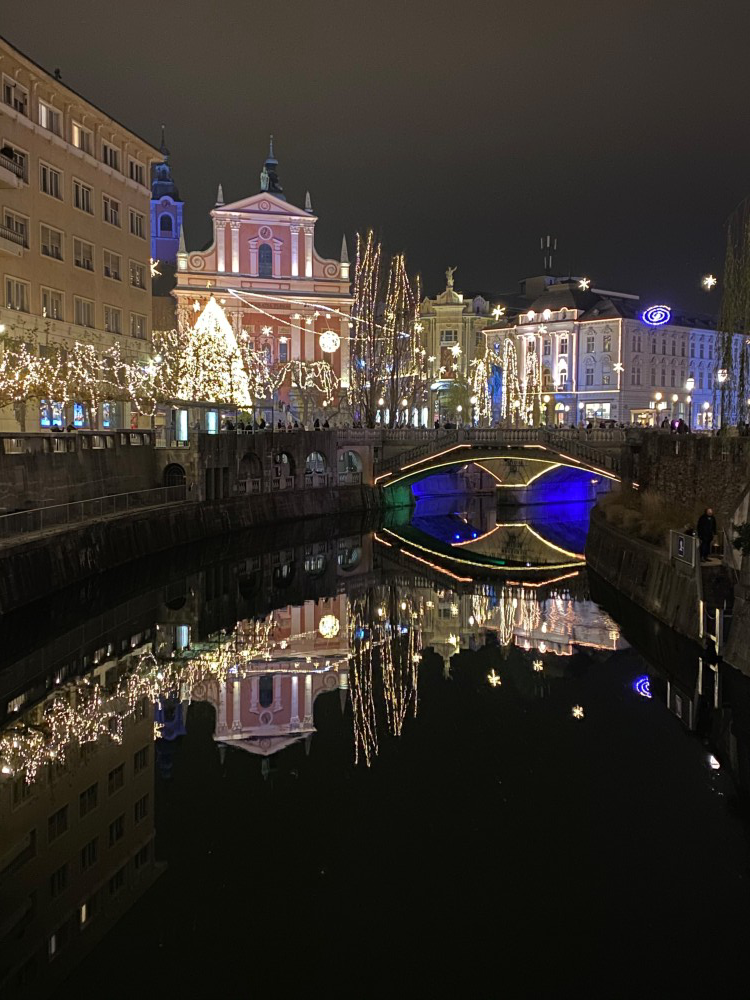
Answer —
706 530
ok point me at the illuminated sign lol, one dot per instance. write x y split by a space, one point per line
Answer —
656 315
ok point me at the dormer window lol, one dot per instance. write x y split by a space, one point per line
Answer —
547 314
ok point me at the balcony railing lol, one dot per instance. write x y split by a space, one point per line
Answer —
12 165
13 235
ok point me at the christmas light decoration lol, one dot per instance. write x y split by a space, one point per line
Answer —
584 284
656 315
577 712
709 282
329 341
211 367
494 678
329 626
154 265
498 311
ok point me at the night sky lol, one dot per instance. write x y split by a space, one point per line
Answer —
460 131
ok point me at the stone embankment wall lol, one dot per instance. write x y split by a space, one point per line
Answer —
41 469
31 569
643 573
692 470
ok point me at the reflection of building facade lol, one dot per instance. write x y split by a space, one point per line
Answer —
76 852
600 355
281 297
74 231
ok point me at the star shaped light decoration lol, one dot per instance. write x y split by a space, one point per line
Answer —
266 331
498 311
542 328
154 265
618 366
584 284
308 320
418 327
456 350
709 281
577 711
432 359
442 370
196 306
538 666
494 679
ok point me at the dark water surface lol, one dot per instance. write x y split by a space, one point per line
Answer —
317 761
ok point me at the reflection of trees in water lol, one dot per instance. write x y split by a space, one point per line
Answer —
385 639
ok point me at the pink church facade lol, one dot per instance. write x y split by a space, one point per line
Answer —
279 294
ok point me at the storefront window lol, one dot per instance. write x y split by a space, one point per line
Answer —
598 411
51 414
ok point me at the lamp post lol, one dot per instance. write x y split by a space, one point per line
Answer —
545 400
381 404
690 385
459 411
706 408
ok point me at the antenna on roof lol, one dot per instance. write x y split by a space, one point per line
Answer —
548 245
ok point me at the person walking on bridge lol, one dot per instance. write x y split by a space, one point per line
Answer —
706 532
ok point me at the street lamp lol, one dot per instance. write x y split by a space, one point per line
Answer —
459 411
473 402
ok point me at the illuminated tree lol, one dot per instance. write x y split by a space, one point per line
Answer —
210 367
386 355
732 377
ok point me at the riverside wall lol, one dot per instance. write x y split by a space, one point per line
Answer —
38 567
645 575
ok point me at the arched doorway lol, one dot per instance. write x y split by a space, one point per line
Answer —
316 469
174 475
349 467
283 471
250 472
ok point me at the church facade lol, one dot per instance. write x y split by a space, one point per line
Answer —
281 297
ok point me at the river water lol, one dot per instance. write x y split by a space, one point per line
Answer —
421 755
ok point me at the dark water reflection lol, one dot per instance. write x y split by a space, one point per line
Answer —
310 761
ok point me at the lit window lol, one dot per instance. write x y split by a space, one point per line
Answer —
16 294
82 138
49 117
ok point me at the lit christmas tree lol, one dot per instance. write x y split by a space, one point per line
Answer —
210 367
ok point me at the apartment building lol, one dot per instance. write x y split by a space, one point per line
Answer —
75 240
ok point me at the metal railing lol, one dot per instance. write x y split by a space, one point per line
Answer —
42 518
13 165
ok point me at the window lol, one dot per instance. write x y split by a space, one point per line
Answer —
53 303
141 857
701 348
683 349
89 854
653 376
88 799
52 242
265 261
448 337
674 347
138 326
140 811
111 210
562 377
589 376
607 342
82 138
710 350
58 881
49 117
137 224
692 349
112 319
83 254
140 760
57 824
117 881
663 345
546 348
17 224
672 377
590 343
700 380
16 294
283 350
116 830
110 156
563 345
663 377
116 779
606 377
112 265
137 172
165 224
50 180
137 274
87 910
83 197
83 312
57 940
15 96
653 347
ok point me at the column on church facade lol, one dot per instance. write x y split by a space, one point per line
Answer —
235 227
220 246
253 244
276 267
294 243
277 692
296 336
308 251
254 691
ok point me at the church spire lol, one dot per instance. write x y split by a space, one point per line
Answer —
344 250
163 148
269 177
220 196
308 202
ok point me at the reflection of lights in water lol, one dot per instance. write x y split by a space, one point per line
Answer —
577 712
494 678
329 626
643 686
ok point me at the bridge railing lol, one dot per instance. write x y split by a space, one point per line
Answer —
599 447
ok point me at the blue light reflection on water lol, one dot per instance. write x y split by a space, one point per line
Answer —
557 506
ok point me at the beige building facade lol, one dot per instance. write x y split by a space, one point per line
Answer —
74 232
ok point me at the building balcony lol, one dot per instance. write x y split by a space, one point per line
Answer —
11 242
11 173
